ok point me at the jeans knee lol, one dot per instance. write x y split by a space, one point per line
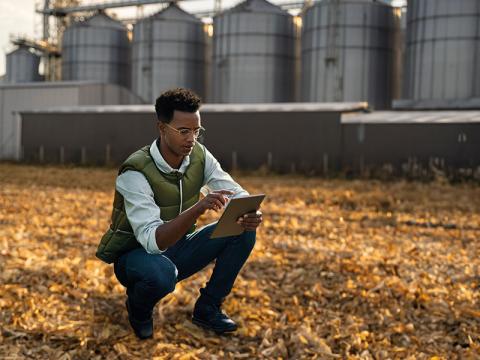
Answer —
163 280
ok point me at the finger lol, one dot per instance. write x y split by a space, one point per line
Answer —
215 204
252 216
247 217
250 222
219 197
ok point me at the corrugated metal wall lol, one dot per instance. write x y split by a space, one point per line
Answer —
168 52
347 52
97 49
14 98
443 54
99 133
323 142
253 54
368 146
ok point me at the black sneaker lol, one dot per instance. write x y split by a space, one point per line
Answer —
142 328
210 317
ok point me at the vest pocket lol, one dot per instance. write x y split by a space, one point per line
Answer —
114 243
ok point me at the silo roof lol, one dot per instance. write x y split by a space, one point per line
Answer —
256 6
21 49
100 20
174 12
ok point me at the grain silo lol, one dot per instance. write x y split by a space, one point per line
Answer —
168 50
347 52
253 54
96 49
443 54
22 66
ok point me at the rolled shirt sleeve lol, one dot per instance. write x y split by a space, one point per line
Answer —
218 179
141 209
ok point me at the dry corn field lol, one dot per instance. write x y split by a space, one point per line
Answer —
341 269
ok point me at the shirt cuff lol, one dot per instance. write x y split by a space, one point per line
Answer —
152 247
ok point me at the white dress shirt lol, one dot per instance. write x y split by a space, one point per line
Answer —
142 211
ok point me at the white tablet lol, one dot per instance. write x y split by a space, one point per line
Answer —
227 225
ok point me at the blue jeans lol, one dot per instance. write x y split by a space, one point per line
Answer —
148 278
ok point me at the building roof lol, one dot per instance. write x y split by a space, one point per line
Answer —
50 84
271 107
411 117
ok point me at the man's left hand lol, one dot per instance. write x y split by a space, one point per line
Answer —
250 221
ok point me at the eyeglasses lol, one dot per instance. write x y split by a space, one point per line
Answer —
186 132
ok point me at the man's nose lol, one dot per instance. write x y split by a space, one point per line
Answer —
191 136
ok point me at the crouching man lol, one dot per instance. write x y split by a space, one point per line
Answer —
152 240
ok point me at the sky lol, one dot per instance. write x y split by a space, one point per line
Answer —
18 17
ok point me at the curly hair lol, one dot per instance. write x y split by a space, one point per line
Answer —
176 99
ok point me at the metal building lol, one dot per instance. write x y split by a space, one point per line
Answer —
100 134
17 97
253 54
96 49
406 142
168 50
22 66
347 52
443 54
340 136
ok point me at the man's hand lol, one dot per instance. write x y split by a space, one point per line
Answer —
215 200
250 221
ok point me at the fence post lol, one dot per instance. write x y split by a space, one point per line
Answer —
107 154
325 163
269 160
234 161
83 156
41 153
62 155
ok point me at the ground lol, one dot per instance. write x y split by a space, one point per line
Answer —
355 269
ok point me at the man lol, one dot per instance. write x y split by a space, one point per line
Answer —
152 239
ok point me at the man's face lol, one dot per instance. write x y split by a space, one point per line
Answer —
172 133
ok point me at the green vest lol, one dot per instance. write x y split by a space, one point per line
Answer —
119 238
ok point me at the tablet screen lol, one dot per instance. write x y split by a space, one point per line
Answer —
227 225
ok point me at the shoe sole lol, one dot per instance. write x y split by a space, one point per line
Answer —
206 326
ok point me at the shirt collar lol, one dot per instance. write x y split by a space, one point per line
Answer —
162 164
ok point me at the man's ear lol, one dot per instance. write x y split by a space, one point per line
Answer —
160 126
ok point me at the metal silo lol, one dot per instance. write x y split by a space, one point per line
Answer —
253 54
22 66
443 52
347 52
168 50
96 49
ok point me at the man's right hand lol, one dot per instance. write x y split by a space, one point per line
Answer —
215 200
